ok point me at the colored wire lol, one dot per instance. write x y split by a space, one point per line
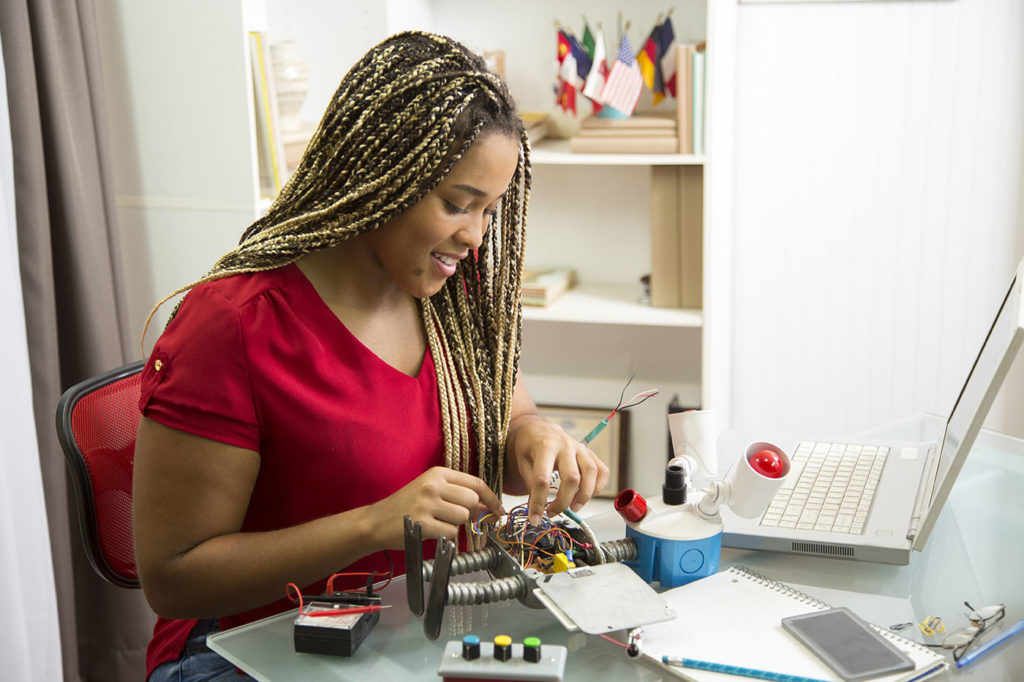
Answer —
390 574
622 405
614 641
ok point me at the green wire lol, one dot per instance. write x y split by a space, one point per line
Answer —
594 431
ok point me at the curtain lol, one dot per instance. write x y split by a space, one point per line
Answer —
73 299
29 637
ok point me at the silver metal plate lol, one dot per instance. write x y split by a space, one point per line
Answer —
605 598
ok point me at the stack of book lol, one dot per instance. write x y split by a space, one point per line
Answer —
536 125
641 134
543 285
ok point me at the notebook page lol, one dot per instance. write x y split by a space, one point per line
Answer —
734 617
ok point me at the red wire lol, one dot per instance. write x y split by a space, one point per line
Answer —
614 641
330 581
331 612
345 612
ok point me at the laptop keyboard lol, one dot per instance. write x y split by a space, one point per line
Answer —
834 490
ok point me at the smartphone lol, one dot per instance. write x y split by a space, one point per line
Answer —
847 644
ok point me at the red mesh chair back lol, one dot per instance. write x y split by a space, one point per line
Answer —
96 424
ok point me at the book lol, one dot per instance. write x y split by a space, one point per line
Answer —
270 148
543 285
734 617
697 115
536 125
639 121
623 144
684 92
665 250
677 209
627 132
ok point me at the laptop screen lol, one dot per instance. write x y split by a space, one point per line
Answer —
982 383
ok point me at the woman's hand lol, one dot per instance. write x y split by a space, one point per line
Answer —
539 447
441 499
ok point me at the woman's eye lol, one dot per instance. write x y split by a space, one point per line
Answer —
454 209
493 212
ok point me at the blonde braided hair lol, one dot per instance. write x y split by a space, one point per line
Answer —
400 120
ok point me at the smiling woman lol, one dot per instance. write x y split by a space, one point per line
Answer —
353 360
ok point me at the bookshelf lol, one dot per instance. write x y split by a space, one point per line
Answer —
597 303
181 207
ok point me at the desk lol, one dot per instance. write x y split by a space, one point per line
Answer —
975 554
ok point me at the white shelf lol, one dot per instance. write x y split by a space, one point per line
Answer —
611 304
556 152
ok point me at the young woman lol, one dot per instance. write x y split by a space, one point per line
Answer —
352 361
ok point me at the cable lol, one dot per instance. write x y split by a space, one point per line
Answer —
632 402
589 533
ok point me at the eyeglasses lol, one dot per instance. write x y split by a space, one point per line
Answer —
980 620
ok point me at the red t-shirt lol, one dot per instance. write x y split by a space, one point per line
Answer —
259 361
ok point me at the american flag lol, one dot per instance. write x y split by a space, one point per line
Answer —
622 89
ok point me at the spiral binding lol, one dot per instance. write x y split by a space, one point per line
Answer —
814 602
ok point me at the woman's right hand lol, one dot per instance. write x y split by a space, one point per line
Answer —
441 499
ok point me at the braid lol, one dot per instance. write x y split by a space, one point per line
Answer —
401 118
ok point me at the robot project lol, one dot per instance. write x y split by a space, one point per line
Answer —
560 564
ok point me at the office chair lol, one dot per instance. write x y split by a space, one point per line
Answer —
96 424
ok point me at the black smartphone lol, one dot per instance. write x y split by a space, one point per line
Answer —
847 644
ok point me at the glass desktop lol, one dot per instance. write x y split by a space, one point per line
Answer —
974 555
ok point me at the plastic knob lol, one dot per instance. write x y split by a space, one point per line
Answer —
503 647
631 505
531 649
471 647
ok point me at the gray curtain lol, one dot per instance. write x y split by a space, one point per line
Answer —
75 311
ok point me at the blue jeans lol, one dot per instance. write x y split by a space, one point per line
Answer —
198 663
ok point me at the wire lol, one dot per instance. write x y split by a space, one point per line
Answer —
589 533
619 407
614 641
369 574
329 612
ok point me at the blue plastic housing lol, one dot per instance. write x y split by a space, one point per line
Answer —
674 562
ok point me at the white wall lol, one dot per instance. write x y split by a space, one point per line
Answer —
878 175
183 150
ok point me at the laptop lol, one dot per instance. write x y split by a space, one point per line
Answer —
899 488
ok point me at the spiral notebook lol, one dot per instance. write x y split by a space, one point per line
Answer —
734 618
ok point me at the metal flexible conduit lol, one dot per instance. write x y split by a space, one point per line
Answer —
620 550
466 562
501 589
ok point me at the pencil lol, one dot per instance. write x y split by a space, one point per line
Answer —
735 670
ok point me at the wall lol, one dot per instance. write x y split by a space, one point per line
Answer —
878 174
181 137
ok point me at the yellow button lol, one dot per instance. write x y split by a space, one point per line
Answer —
503 640
158 365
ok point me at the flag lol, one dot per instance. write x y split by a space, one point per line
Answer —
567 76
659 79
563 46
567 97
647 57
667 42
587 42
622 89
598 72
583 61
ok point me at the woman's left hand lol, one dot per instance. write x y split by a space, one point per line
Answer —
538 448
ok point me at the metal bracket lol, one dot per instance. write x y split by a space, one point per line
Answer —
438 588
413 565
